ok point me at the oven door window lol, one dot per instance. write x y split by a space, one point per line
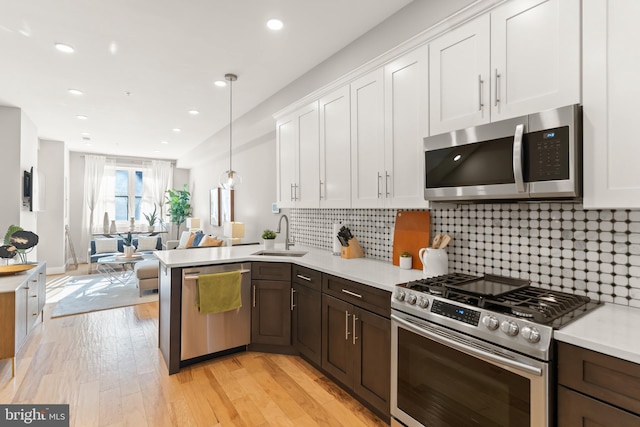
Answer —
441 386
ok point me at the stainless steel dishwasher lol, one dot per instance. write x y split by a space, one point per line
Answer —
204 334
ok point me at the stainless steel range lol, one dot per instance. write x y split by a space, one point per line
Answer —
476 351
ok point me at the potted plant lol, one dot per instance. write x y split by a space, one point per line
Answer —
152 218
127 242
269 238
179 207
406 261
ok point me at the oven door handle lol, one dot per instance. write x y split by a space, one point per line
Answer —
468 349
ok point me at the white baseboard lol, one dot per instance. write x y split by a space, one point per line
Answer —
56 270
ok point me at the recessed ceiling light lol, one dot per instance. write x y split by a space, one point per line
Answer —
275 24
75 92
164 142
194 112
64 48
176 130
220 83
81 117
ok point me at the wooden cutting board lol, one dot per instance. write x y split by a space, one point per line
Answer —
411 234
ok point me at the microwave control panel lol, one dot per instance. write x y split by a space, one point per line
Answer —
547 154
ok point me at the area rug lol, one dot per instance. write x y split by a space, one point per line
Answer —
82 294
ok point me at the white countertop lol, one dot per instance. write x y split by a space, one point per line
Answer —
611 329
11 282
379 274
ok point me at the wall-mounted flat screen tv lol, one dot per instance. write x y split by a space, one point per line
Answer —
27 189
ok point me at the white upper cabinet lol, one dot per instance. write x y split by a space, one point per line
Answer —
459 77
298 158
286 161
367 140
523 57
611 89
335 149
535 56
406 124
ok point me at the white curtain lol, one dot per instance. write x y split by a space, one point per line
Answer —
93 172
161 174
106 198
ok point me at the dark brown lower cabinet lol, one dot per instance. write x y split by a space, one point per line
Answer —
356 350
595 389
577 410
271 313
270 306
306 322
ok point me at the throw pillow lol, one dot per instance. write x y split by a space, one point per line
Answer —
210 241
184 238
147 243
197 239
104 246
190 240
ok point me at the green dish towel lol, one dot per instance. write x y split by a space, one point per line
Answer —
218 292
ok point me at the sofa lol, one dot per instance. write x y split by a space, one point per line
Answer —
109 246
146 271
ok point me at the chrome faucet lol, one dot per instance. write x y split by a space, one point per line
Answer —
287 243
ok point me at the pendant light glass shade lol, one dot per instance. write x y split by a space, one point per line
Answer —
230 179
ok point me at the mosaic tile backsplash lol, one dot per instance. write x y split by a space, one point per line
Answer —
557 246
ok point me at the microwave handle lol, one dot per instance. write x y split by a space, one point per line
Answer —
517 158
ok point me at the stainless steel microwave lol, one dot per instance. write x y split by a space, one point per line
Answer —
538 156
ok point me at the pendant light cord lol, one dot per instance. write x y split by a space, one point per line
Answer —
230 121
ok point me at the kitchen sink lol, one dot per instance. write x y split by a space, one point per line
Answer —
280 253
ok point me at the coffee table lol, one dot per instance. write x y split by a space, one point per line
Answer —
120 268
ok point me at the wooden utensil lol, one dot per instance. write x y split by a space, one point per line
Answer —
436 241
445 241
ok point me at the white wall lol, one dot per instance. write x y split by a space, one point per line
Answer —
19 145
254 132
52 164
11 188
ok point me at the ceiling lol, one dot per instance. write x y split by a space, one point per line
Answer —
143 64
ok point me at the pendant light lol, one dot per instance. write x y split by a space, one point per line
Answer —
230 179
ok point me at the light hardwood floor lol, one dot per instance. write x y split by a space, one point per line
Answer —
107 366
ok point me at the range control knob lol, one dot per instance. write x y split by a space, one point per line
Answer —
423 302
400 295
411 299
531 334
490 322
510 328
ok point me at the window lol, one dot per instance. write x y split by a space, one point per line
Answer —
128 193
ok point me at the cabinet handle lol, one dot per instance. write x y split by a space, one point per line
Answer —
379 192
254 295
34 296
27 287
291 192
300 276
320 190
346 325
480 84
351 293
354 318
293 291
497 88
386 184
34 314
295 191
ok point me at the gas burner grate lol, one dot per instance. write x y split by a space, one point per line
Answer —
439 285
541 305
